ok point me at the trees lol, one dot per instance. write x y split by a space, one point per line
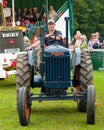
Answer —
88 16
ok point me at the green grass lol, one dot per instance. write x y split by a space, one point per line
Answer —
49 115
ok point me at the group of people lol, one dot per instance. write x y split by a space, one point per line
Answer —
32 14
28 17
94 42
79 41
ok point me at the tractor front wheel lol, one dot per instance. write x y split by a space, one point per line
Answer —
91 104
24 106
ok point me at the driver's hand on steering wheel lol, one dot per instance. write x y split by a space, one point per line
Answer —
48 35
58 37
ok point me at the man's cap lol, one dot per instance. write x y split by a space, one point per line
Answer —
51 21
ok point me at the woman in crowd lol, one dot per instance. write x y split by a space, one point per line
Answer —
93 42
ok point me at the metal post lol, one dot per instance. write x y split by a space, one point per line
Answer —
3 20
42 36
71 18
13 13
46 13
66 19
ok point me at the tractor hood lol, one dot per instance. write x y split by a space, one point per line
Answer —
56 50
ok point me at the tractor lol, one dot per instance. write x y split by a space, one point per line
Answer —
59 76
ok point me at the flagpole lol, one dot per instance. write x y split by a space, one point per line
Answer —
13 13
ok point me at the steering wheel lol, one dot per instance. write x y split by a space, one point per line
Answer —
55 36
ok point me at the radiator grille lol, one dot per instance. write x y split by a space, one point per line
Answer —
57 69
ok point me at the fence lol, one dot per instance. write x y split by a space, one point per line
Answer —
97 57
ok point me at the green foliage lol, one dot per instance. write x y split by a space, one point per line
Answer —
88 16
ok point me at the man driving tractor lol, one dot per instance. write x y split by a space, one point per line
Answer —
50 36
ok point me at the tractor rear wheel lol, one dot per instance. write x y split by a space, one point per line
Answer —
85 78
24 107
86 71
91 104
22 71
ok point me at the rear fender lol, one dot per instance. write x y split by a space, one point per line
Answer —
77 58
31 57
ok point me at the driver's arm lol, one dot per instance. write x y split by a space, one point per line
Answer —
59 35
47 35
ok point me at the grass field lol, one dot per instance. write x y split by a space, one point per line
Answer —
53 115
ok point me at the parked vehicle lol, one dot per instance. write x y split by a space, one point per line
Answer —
11 44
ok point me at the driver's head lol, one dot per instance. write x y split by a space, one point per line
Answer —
51 25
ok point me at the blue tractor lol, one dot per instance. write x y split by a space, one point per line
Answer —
60 78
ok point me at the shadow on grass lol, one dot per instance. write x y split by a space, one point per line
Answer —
56 108
57 112
53 109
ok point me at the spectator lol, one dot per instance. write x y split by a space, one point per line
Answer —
83 42
30 16
28 27
19 21
99 37
38 18
25 13
5 3
76 36
19 14
44 17
43 11
52 12
93 42
77 39
35 10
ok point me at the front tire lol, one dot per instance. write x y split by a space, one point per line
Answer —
24 106
91 104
